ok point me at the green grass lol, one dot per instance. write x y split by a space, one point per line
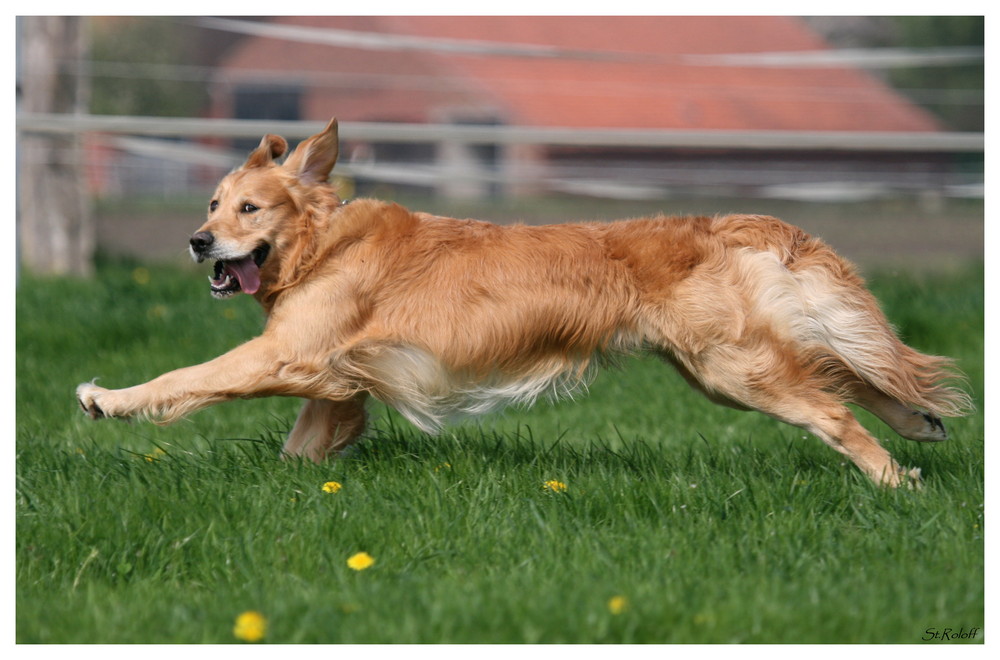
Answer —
715 525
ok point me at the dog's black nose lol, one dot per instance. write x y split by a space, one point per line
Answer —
202 241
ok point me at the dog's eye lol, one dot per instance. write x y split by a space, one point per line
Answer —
249 208
214 204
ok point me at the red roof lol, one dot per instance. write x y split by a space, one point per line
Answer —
650 83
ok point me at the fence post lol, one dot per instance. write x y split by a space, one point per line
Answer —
463 170
54 225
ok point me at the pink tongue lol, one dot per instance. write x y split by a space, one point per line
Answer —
246 271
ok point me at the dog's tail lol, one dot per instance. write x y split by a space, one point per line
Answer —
849 322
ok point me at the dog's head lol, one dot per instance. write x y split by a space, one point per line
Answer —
262 212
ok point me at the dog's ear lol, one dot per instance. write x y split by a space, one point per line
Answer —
313 160
270 147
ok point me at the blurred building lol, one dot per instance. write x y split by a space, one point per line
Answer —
565 71
631 72
732 79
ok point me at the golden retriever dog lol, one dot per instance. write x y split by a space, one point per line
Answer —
440 318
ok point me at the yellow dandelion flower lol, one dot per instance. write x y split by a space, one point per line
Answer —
141 276
361 561
331 487
617 604
703 618
250 626
555 486
157 312
155 455
443 466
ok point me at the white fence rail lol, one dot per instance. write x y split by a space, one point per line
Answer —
508 135
796 164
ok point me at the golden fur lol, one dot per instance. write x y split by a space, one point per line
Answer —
441 317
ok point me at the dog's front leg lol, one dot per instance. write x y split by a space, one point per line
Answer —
325 427
254 369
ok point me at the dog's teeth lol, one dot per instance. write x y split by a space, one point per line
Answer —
217 284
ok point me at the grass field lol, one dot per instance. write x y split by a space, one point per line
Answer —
679 521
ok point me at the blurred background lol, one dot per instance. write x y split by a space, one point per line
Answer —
867 131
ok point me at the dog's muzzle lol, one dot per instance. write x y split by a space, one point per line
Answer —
231 275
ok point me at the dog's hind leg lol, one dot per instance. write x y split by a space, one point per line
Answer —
907 422
324 427
834 424
769 380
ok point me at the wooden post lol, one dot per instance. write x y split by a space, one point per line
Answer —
55 227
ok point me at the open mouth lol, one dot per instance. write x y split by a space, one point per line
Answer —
233 276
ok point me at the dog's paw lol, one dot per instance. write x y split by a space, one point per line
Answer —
897 476
925 427
88 396
910 477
